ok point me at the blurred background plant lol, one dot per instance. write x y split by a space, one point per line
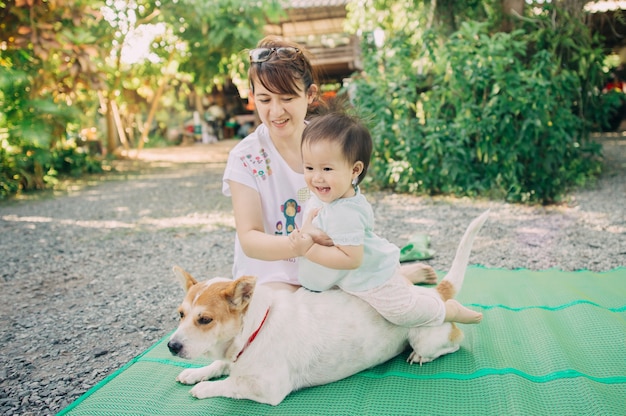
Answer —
81 79
40 101
493 98
463 106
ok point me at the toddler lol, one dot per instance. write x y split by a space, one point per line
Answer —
336 150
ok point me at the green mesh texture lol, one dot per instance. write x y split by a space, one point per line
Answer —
550 342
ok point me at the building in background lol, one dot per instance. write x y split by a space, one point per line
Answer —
319 25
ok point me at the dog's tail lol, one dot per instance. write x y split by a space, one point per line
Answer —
453 281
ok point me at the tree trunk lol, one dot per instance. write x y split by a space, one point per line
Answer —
118 124
111 136
154 105
511 10
445 15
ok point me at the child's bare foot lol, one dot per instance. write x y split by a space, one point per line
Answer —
419 273
455 312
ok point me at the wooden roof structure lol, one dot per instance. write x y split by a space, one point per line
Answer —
318 25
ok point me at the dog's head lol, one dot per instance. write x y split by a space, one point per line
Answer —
211 315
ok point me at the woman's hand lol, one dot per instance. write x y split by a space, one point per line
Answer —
320 237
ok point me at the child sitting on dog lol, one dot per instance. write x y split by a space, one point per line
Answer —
336 150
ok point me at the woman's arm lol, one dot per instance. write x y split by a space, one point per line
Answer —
249 224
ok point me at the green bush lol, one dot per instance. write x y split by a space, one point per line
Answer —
29 166
9 183
504 115
33 150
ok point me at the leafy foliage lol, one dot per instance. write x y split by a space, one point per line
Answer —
455 108
29 166
61 70
31 156
505 115
46 61
216 33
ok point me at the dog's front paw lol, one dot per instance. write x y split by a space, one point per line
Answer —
193 375
202 390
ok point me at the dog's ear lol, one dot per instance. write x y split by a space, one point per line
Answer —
239 292
185 278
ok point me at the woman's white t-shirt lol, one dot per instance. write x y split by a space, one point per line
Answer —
256 163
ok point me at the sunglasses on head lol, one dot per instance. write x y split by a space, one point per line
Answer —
259 55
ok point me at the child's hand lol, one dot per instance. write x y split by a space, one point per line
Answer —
300 242
318 236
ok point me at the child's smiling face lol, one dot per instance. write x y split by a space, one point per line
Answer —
327 172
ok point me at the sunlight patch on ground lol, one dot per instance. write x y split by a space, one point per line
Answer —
79 223
195 153
204 221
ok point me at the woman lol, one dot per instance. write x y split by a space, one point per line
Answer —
264 174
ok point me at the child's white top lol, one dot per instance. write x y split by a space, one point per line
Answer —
256 163
350 222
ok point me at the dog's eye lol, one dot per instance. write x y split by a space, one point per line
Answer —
204 320
181 314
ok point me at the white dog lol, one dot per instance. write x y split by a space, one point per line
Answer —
272 342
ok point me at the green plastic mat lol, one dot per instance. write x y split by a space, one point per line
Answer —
550 343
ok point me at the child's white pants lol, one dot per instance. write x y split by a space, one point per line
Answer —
404 304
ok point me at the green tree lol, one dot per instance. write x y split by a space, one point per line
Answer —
200 46
63 68
217 32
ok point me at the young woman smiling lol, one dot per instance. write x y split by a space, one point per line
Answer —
264 175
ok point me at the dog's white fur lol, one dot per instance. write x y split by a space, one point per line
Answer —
305 339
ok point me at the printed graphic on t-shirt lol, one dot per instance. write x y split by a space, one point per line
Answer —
289 209
303 194
259 164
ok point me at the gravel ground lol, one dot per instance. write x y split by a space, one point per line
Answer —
86 272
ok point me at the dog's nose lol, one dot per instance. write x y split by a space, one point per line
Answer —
174 347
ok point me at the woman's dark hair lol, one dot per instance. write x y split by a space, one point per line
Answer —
346 130
282 76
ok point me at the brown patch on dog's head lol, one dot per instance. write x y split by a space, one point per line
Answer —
446 290
205 306
216 301
211 315
456 335
238 294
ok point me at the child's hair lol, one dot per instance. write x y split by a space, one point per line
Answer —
281 76
346 130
